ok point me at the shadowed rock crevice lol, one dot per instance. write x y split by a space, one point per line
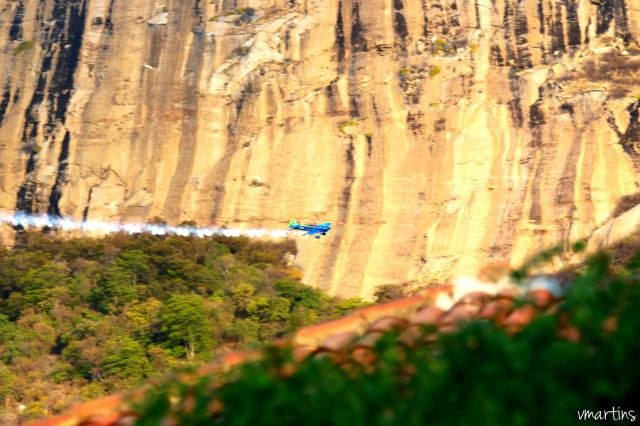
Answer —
521 30
425 18
329 262
340 40
61 178
108 22
630 140
536 122
15 32
358 37
400 23
573 25
4 102
613 11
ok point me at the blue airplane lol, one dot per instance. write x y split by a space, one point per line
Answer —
320 229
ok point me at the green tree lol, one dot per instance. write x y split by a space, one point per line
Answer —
126 359
142 315
186 326
243 330
265 309
76 356
298 293
40 286
137 262
241 295
114 289
347 305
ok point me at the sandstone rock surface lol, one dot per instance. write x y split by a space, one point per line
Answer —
436 135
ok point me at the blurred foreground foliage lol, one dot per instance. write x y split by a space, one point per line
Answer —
479 375
84 317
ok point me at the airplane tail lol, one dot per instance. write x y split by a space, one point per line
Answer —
293 222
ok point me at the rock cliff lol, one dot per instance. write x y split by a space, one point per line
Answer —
436 135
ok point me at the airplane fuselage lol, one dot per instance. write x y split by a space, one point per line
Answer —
316 230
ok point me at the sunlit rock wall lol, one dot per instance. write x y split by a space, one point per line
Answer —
435 135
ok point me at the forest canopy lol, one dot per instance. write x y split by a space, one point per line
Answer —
84 317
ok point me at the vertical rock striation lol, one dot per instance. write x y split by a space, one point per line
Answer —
436 135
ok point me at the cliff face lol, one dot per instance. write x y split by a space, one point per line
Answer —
436 135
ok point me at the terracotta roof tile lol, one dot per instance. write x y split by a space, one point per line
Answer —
387 324
368 340
497 310
570 333
103 407
415 335
460 312
510 292
102 420
363 356
314 335
236 358
477 298
332 356
611 324
520 317
541 297
338 342
400 307
428 315
301 352
61 420
126 420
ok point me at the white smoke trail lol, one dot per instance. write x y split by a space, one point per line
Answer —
67 224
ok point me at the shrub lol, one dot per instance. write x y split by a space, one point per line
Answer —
389 292
23 46
441 46
346 124
434 70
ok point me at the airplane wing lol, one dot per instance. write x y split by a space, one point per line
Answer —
313 231
325 225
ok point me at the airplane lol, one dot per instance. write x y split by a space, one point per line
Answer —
313 229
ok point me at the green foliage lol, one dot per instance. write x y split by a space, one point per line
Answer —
351 304
136 262
241 295
23 46
141 317
244 330
478 375
239 11
84 316
186 325
299 294
126 360
114 289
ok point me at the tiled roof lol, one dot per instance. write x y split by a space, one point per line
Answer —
488 296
